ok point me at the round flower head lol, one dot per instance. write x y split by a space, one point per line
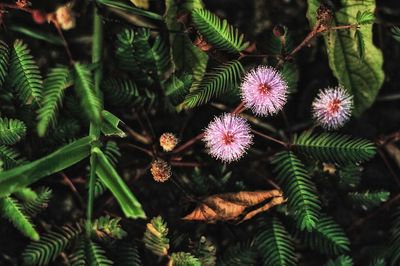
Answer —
227 137
332 107
264 91
160 170
168 141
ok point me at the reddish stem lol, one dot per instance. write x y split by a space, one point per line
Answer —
188 143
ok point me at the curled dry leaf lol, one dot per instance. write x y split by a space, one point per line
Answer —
234 206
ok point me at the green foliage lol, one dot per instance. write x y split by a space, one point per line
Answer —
365 17
327 237
50 245
161 57
124 92
238 254
110 125
34 206
177 87
11 131
367 200
84 88
155 237
215 84
110 178
130 9
275 244
183 259
96 256
360 43
340 261
53 90
24 175
24 74
362 78
396 33
9 157
4 61
218 32
128 255
107 227
298 188
334 148
186 57
349 176
12 210
205 251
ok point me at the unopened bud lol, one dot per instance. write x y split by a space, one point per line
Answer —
160 170
39 17
168 141
325 15
279 31
65 17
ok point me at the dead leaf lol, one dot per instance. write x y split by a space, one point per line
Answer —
231 206
141 3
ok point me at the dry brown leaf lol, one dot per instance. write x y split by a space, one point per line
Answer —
230 206
141 3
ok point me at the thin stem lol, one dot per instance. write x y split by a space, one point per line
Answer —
65 43
270 138
188 143
185 164
130 145
94 131
240 108
11 6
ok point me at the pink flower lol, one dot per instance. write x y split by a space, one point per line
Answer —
332 107
227 137
264 91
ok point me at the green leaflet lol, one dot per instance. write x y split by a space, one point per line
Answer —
129 8
110 124
185 56
362 77
109 176
22 176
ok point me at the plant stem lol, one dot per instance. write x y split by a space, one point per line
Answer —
94 131
270 138
188 143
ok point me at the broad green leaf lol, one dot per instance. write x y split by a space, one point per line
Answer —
361 77
33 33
24 175
110 124
109 176
186 57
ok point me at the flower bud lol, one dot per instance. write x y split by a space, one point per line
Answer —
160 170
39 17
65 17
168 141
279 31
325 15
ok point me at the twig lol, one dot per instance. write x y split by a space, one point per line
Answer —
185 164
131 145
71 185
188 143
286 145
386 162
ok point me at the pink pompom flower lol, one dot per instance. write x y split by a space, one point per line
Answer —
228 137
332 107
264 91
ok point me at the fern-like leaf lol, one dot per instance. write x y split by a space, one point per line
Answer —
349 176
124 92
53 90
334 148
218 32
84 87
367 200
107 227
275 244
328 237
340 261
12 210
155 238
9 157
24 74
395 239
205 251
161 57
238 255
396 33
365 17
34 206
183 259
78 255
50 245
177 87
128 255
11 131
298 188
215 84
4 61
96 256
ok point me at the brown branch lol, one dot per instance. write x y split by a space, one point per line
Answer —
286 145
